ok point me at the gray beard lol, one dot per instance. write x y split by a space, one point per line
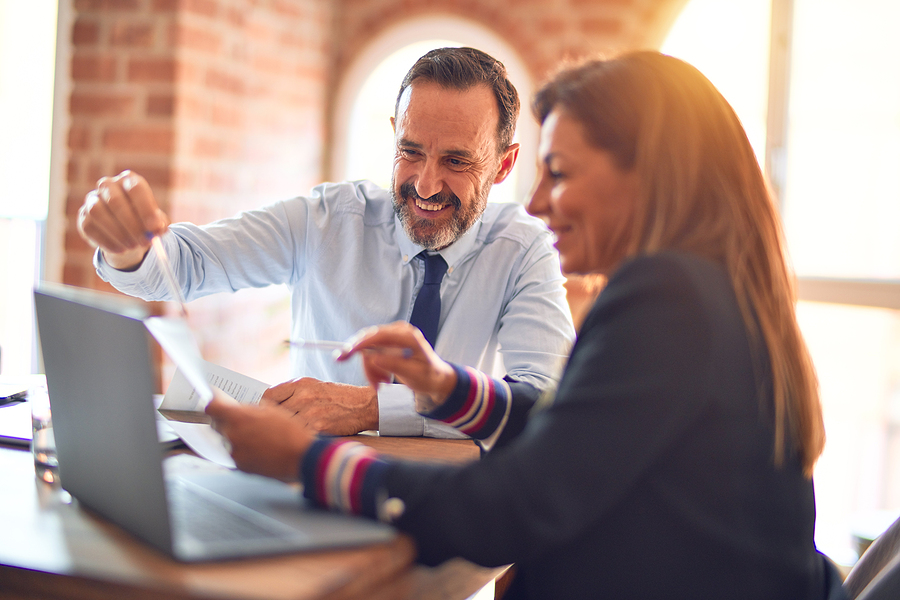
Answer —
428 235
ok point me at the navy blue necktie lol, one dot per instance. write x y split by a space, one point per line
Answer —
427 310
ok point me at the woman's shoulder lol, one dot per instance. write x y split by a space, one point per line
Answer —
670 265
671 271
668 281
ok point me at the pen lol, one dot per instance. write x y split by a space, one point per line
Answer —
340 346
13 398
167 272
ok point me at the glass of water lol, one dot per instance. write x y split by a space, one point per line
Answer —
43 444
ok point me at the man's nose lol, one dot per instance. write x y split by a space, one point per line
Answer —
430 181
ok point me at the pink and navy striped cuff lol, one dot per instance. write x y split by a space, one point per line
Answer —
343 476
476 406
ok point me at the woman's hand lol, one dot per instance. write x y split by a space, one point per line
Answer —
399 351
264 439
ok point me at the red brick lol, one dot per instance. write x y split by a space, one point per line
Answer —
236 17
206 8
74 242
93 68
227 116
601 27
225 82
79 138
160 105
165 6
272 65
85 32
102 5
73 204
152 70
205 147
154 140
287 9
551 26
194 38
74 274
132 35
593 3
94 172
159 177
101 104
72 170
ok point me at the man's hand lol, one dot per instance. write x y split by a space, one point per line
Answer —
264 440
332 408
120 217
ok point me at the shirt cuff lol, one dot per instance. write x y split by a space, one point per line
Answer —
397 416
144 282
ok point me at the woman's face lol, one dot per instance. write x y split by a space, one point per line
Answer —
583 196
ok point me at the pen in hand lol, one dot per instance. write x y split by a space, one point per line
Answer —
166 267
338 347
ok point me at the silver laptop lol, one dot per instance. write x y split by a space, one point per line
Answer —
100 376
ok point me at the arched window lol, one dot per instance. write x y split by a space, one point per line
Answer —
363 140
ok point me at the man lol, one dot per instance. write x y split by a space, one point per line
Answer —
348 252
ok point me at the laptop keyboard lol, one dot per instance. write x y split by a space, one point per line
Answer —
208 517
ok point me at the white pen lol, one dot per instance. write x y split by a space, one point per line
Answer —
341 346
316 344
167 272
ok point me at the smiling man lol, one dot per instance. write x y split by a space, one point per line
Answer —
354 254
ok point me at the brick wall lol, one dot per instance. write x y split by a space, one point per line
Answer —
221 105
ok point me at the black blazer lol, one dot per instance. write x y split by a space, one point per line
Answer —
650 476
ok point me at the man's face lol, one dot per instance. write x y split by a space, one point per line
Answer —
445 160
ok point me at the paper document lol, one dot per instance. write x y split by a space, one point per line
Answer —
205 441
183 395
191 389
183 407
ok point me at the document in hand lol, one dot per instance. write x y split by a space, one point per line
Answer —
183 406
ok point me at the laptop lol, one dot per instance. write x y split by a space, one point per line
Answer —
100 377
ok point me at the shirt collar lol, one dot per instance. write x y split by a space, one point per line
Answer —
453 254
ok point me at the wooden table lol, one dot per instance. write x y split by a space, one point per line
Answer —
51 548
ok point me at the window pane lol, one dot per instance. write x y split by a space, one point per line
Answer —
729 43
27 57
856 351
842 192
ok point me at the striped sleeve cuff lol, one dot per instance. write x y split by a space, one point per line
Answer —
344 476
478 406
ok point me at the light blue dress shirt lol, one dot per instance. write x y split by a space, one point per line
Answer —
349 264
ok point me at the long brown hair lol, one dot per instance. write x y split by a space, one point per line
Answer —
702 191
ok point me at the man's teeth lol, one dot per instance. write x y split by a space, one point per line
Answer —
428 205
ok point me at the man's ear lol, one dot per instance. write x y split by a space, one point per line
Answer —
393 124
507 161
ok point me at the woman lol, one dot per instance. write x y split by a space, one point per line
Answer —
676 458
